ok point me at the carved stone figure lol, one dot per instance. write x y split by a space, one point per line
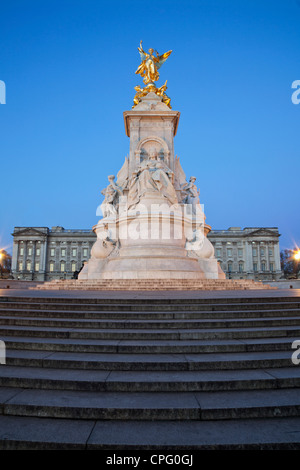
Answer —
114 190
105 244
111 192
199 244
192 194
152 175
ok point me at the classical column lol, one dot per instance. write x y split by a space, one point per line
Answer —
268 255
43 255
249 257
15 253
258 257
33 258
277 256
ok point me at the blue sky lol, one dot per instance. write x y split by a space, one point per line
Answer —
69 70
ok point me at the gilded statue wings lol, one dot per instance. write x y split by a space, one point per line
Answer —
159 59
162 58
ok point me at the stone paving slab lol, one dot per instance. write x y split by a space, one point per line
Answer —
36 433
212 435
149 406
66 404
257 434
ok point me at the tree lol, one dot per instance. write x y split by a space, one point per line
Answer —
289 265
5 262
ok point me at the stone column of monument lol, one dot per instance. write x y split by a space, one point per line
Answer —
153 226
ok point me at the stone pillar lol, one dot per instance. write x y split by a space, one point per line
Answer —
151 124
249 257
43 256
277 256
15 253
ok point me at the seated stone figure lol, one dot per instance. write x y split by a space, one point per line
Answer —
154 176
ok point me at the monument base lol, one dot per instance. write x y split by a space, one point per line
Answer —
150 242
154 285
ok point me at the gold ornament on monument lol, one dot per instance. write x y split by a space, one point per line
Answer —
148 69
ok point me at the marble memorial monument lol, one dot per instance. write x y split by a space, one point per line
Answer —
152 225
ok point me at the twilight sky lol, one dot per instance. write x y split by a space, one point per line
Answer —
69 66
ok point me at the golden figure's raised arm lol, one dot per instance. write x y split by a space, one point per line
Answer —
141 51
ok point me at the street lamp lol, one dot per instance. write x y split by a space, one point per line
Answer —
297 255
297 258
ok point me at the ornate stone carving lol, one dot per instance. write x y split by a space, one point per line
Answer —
152 175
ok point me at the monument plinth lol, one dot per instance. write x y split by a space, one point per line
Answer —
153 225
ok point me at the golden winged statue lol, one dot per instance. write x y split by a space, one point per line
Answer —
148 69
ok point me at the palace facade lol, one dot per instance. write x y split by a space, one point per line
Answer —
43 254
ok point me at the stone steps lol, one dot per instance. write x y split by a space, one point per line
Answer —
151 362
24 343
152 284
151 334
188 436
139 406
148 324
137 373
160 305
149 381
153 311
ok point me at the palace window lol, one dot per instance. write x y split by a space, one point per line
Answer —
85 252
21 266
74 251
73 266
38 252
241 267
51 266
255 267
29 251
37 266
28 265
62 267
21 251
52 252
263 266
63 252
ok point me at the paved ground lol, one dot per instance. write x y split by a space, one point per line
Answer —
151 295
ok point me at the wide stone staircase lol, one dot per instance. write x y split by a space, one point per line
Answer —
191 374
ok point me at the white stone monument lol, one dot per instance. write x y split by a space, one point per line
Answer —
152 225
